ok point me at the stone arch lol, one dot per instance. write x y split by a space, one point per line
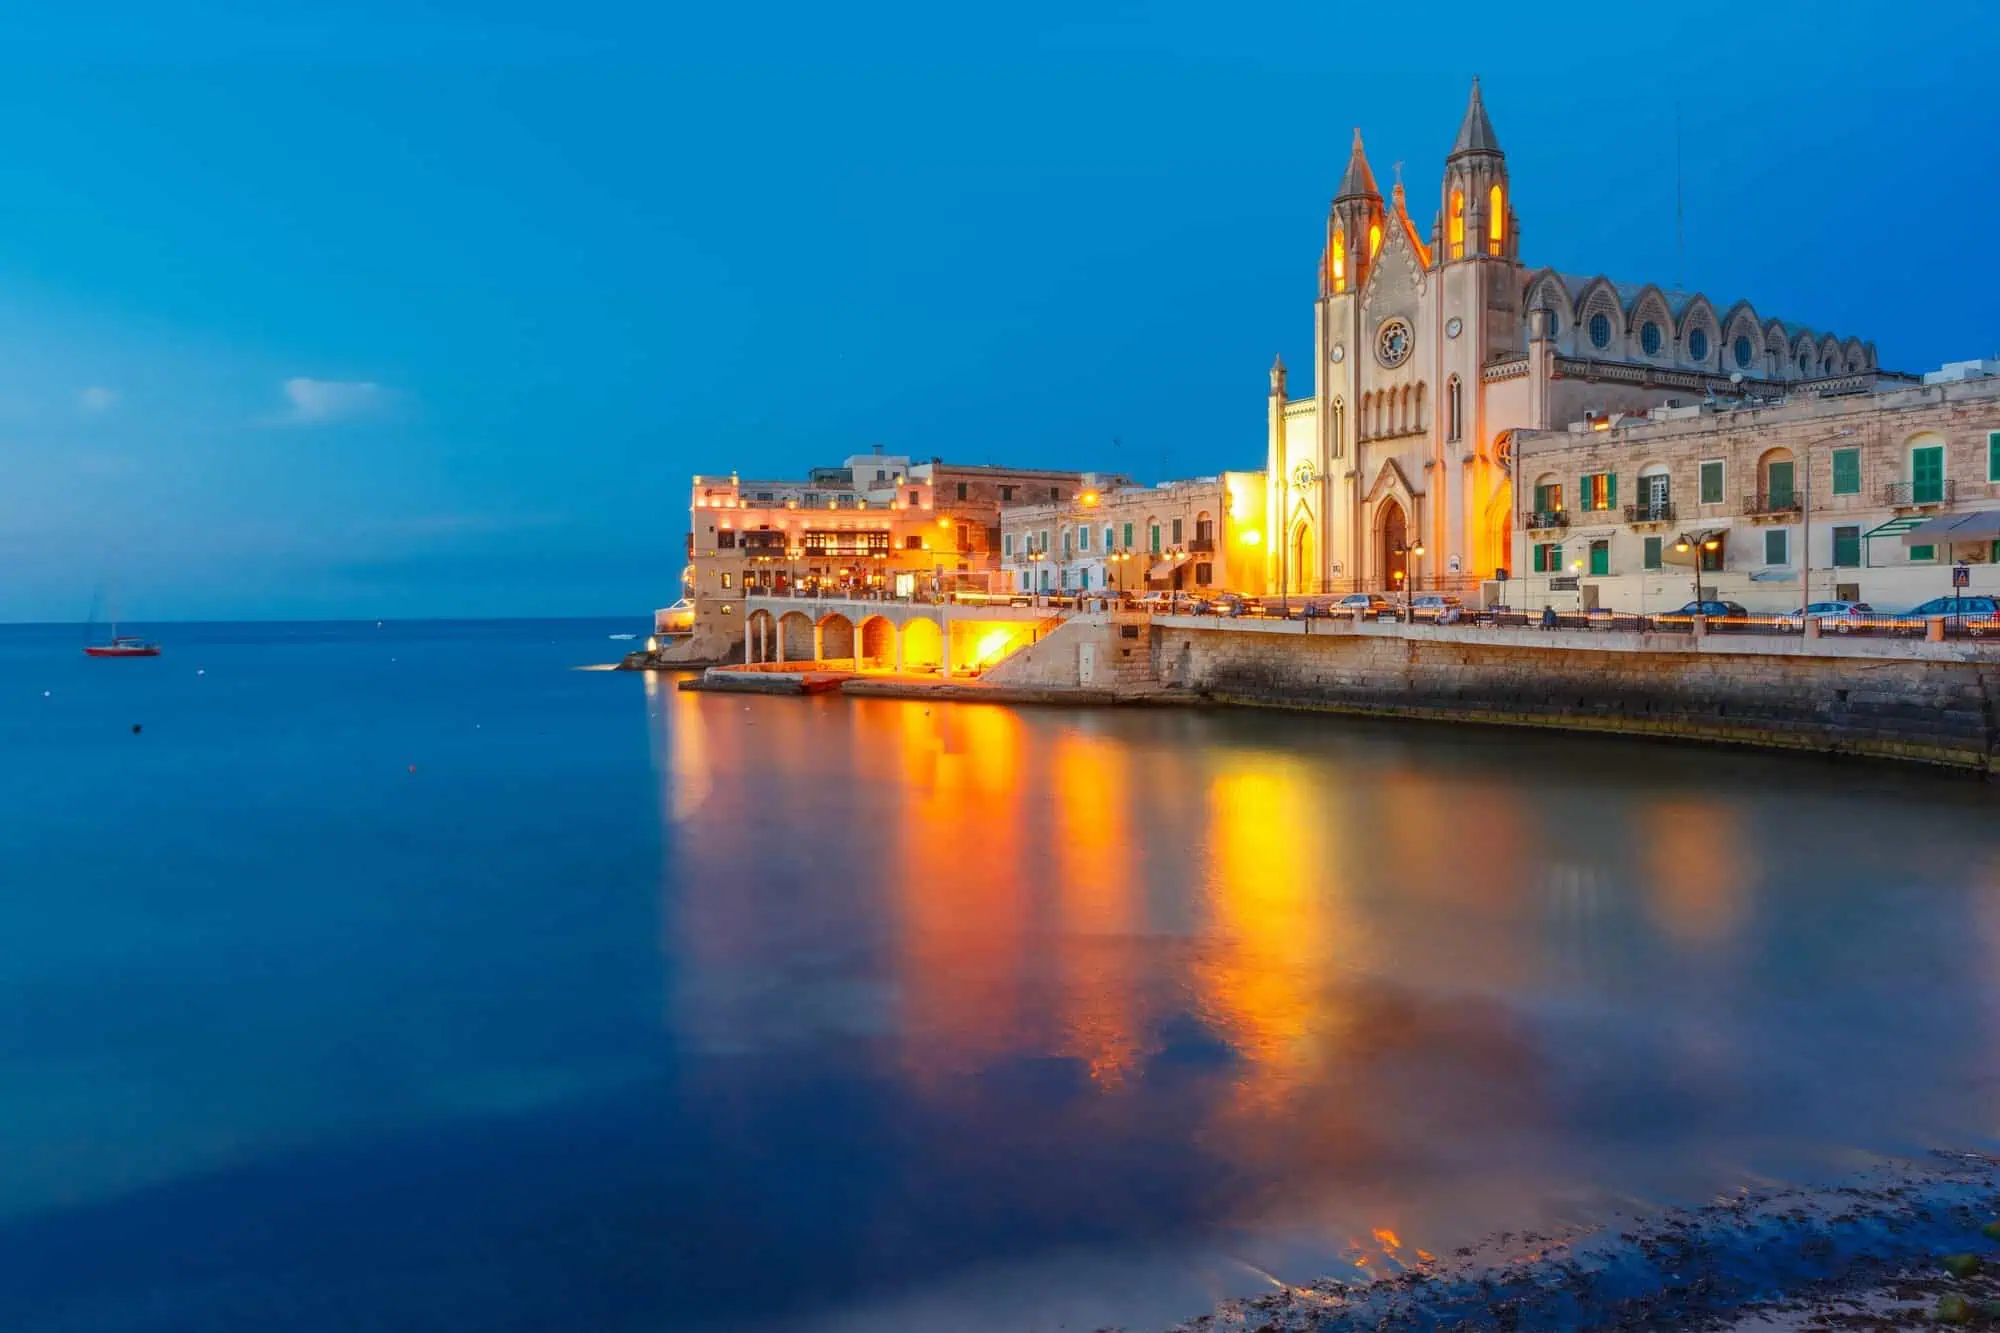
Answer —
877 647
1301 557
1545 291
1855 355
923 645
836 637
1741 322
1650 307
1599 297
759 636
1832 360
1699 315
795 628
1778 351
1777 456
1392 531
1805 356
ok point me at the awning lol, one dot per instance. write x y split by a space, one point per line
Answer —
1980 527
1669 554
1895 527
1165 568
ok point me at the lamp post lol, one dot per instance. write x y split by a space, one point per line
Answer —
1683 546
1805 524
1035 558
1407 550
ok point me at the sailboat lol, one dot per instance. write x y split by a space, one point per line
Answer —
121 645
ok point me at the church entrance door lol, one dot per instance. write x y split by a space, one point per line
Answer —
1395 560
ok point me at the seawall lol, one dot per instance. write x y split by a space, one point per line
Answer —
1932 703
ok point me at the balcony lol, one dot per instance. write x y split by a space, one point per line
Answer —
1659 511
1918 494
1202 545
1546 519
1773 504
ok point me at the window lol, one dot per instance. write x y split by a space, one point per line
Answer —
1847 548
765 495
961 490
1128 536
1007 543
1452 397
1055 492
1549 498
1600 491
1711 561
1549 558
1339 260
1496 220
1698 344
916 497
1374 239
1777 546
1156 539
913 543
1045 539
1006 494
1847 472
1778 479
1711 482
1177 532
1458 224
1743 353
1922 554
1927 474
1083 578
1649 338
1652 556
725 540
1067 542
726 583
1083 539
1993 455
1600 331
1600 557
964 537
1204 572
1108 535
881 474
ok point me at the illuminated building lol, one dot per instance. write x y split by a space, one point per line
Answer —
1431 348
877 525
1202 535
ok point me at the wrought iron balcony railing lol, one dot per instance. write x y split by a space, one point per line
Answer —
1773 502
1659 511
1919 493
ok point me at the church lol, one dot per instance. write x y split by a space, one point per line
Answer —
1430 351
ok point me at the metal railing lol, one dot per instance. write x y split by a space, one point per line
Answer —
1919 492
1661 511
1773 502
1548 518
1202 545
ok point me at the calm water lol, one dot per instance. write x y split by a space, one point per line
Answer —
405 978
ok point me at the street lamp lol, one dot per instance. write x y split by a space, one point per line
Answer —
1683 546
1408 573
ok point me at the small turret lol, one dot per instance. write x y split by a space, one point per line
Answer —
1479 218
1354 228
1278 378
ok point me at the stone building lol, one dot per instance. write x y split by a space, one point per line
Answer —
1201 535
1804 498
1433 345
876 525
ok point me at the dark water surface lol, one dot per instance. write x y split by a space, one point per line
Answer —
403 978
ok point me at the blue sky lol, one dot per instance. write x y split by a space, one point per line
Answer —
431 309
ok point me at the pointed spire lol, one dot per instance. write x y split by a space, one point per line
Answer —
1475 134
1359 180
1278 378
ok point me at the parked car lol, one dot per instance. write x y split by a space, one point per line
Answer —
1980 614
1234 604
1714 610
1833 617
1431 605
1362 605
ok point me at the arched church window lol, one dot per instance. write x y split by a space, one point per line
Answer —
1742 352
1452 421
1339 259
1600 330
1827 367
1649 338
1458 224
1805 363
1496 220
1698 344
1374 239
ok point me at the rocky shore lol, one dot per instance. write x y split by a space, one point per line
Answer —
1907 1245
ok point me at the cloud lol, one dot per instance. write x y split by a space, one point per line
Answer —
97 400
312 402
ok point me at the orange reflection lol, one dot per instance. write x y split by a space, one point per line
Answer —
1095 884
1697 900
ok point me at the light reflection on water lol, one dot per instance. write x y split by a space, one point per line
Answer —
1275 990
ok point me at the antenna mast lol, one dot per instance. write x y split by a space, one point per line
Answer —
1680 212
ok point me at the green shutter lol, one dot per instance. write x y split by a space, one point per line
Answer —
1652 552
1847 548
1711 483
1600 557
1611 490
1993 455
1128 536
1927 474
1775 543
1847 471
1922 553
1556 558
1780 481
1156 539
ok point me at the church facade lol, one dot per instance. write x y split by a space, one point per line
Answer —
1430 350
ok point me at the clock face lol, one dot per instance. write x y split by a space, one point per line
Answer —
1453 327
1393 343
1339 353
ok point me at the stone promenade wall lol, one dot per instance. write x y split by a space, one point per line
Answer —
1123 655
1929 703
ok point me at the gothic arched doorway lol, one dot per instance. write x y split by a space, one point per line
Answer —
1303 579
1395 538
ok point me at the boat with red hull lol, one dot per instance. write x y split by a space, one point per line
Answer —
122 646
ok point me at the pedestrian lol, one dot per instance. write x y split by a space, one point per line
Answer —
1548 616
